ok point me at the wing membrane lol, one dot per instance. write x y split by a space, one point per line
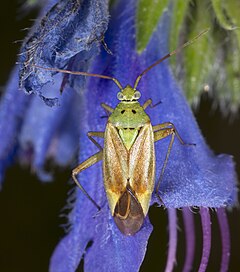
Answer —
142 166
115 165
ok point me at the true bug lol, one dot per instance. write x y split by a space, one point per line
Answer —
128 154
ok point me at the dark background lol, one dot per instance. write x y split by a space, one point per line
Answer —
29 210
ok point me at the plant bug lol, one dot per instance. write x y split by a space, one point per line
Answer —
128 154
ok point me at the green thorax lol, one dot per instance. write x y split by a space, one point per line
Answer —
129 116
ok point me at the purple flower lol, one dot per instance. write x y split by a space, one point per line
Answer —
66 28
194 176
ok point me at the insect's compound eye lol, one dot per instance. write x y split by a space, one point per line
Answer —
134 112
122 112
137 95
120 96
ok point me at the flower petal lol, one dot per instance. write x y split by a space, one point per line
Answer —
69 27
193 175
42 129
12 109
113 252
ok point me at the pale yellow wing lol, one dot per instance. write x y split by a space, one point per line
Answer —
115 166
142 166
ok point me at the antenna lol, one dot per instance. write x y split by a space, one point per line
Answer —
169 55
81 73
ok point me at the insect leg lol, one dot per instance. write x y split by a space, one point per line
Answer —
149 103
107 108
157 136
84 165
161 131
92 134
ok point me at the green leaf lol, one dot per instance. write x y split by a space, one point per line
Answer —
218 6
228 84
232 9
198 58
180 9
229 69
148 14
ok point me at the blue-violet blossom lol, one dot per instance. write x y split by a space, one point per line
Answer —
69 36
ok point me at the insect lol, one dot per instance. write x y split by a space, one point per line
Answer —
128 154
